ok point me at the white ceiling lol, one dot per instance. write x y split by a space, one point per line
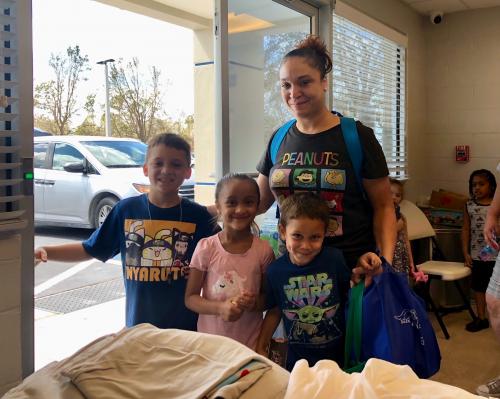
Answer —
425 7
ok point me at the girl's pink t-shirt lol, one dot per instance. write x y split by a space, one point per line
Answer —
227 275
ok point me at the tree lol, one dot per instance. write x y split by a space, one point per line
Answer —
89 127
57 97
136 100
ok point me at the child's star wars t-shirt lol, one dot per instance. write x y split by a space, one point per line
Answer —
312 301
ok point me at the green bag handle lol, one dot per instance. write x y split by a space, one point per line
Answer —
353 330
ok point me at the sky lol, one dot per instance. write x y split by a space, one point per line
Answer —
104 32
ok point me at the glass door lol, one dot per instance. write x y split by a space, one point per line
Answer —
259 33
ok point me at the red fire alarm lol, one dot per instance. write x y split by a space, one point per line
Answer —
462 153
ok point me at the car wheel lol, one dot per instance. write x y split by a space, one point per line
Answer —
102 210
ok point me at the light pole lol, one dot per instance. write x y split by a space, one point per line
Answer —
108 115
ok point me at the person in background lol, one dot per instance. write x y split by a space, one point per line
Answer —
308 285
228 267
156 234
491 234
482 186
313 157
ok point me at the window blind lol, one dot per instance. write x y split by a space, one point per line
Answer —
369 84
11 180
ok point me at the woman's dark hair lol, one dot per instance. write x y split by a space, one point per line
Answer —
235 176
304 204
313 49
489 177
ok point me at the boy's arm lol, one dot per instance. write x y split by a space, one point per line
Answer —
71 252
269 325
466 238
229 310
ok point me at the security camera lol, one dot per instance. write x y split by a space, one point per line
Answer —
436 17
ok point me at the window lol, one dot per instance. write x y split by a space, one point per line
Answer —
369 85
65 154
40 155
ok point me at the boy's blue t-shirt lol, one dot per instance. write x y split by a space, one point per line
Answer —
156 245
312 301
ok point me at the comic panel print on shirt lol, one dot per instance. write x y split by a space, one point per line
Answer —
333 179
305 177
335 201
311 309
157 250
280 178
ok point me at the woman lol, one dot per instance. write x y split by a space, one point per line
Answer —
313 157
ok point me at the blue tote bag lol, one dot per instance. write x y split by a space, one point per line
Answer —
395 326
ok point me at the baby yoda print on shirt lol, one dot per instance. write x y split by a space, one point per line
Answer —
311 309
156 250
316 172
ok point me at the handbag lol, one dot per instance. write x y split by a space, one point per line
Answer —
394 325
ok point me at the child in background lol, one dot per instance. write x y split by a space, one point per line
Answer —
156 234
228 267
482 185
403 258
309 284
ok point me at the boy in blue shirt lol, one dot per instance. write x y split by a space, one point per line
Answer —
308 285
156 234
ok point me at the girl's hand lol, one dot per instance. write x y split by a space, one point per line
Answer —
490 234
230 310
247 300
369 265
262 350
40 255
468 261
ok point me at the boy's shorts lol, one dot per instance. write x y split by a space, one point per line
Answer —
494 285
481 274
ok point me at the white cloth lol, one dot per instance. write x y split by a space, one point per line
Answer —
379 380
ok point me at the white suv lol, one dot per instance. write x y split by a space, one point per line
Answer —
78 179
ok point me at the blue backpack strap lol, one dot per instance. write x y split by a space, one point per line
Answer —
278 139
351 138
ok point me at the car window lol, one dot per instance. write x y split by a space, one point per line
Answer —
40 154
118 154
64 154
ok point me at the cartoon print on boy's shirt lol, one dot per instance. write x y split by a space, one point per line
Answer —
280 178
335 201
156 250
304 177
228 285
310 309
333 179
134 241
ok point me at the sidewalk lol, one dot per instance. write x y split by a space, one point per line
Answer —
59 335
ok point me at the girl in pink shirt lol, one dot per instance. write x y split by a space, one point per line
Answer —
228 268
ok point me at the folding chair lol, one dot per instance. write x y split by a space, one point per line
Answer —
419 227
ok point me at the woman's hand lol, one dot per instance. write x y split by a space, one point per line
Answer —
369 265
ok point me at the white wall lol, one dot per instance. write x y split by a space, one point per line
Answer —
463 96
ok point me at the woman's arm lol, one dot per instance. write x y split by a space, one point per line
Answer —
466 238
271 322
229 310
266 195
384 217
